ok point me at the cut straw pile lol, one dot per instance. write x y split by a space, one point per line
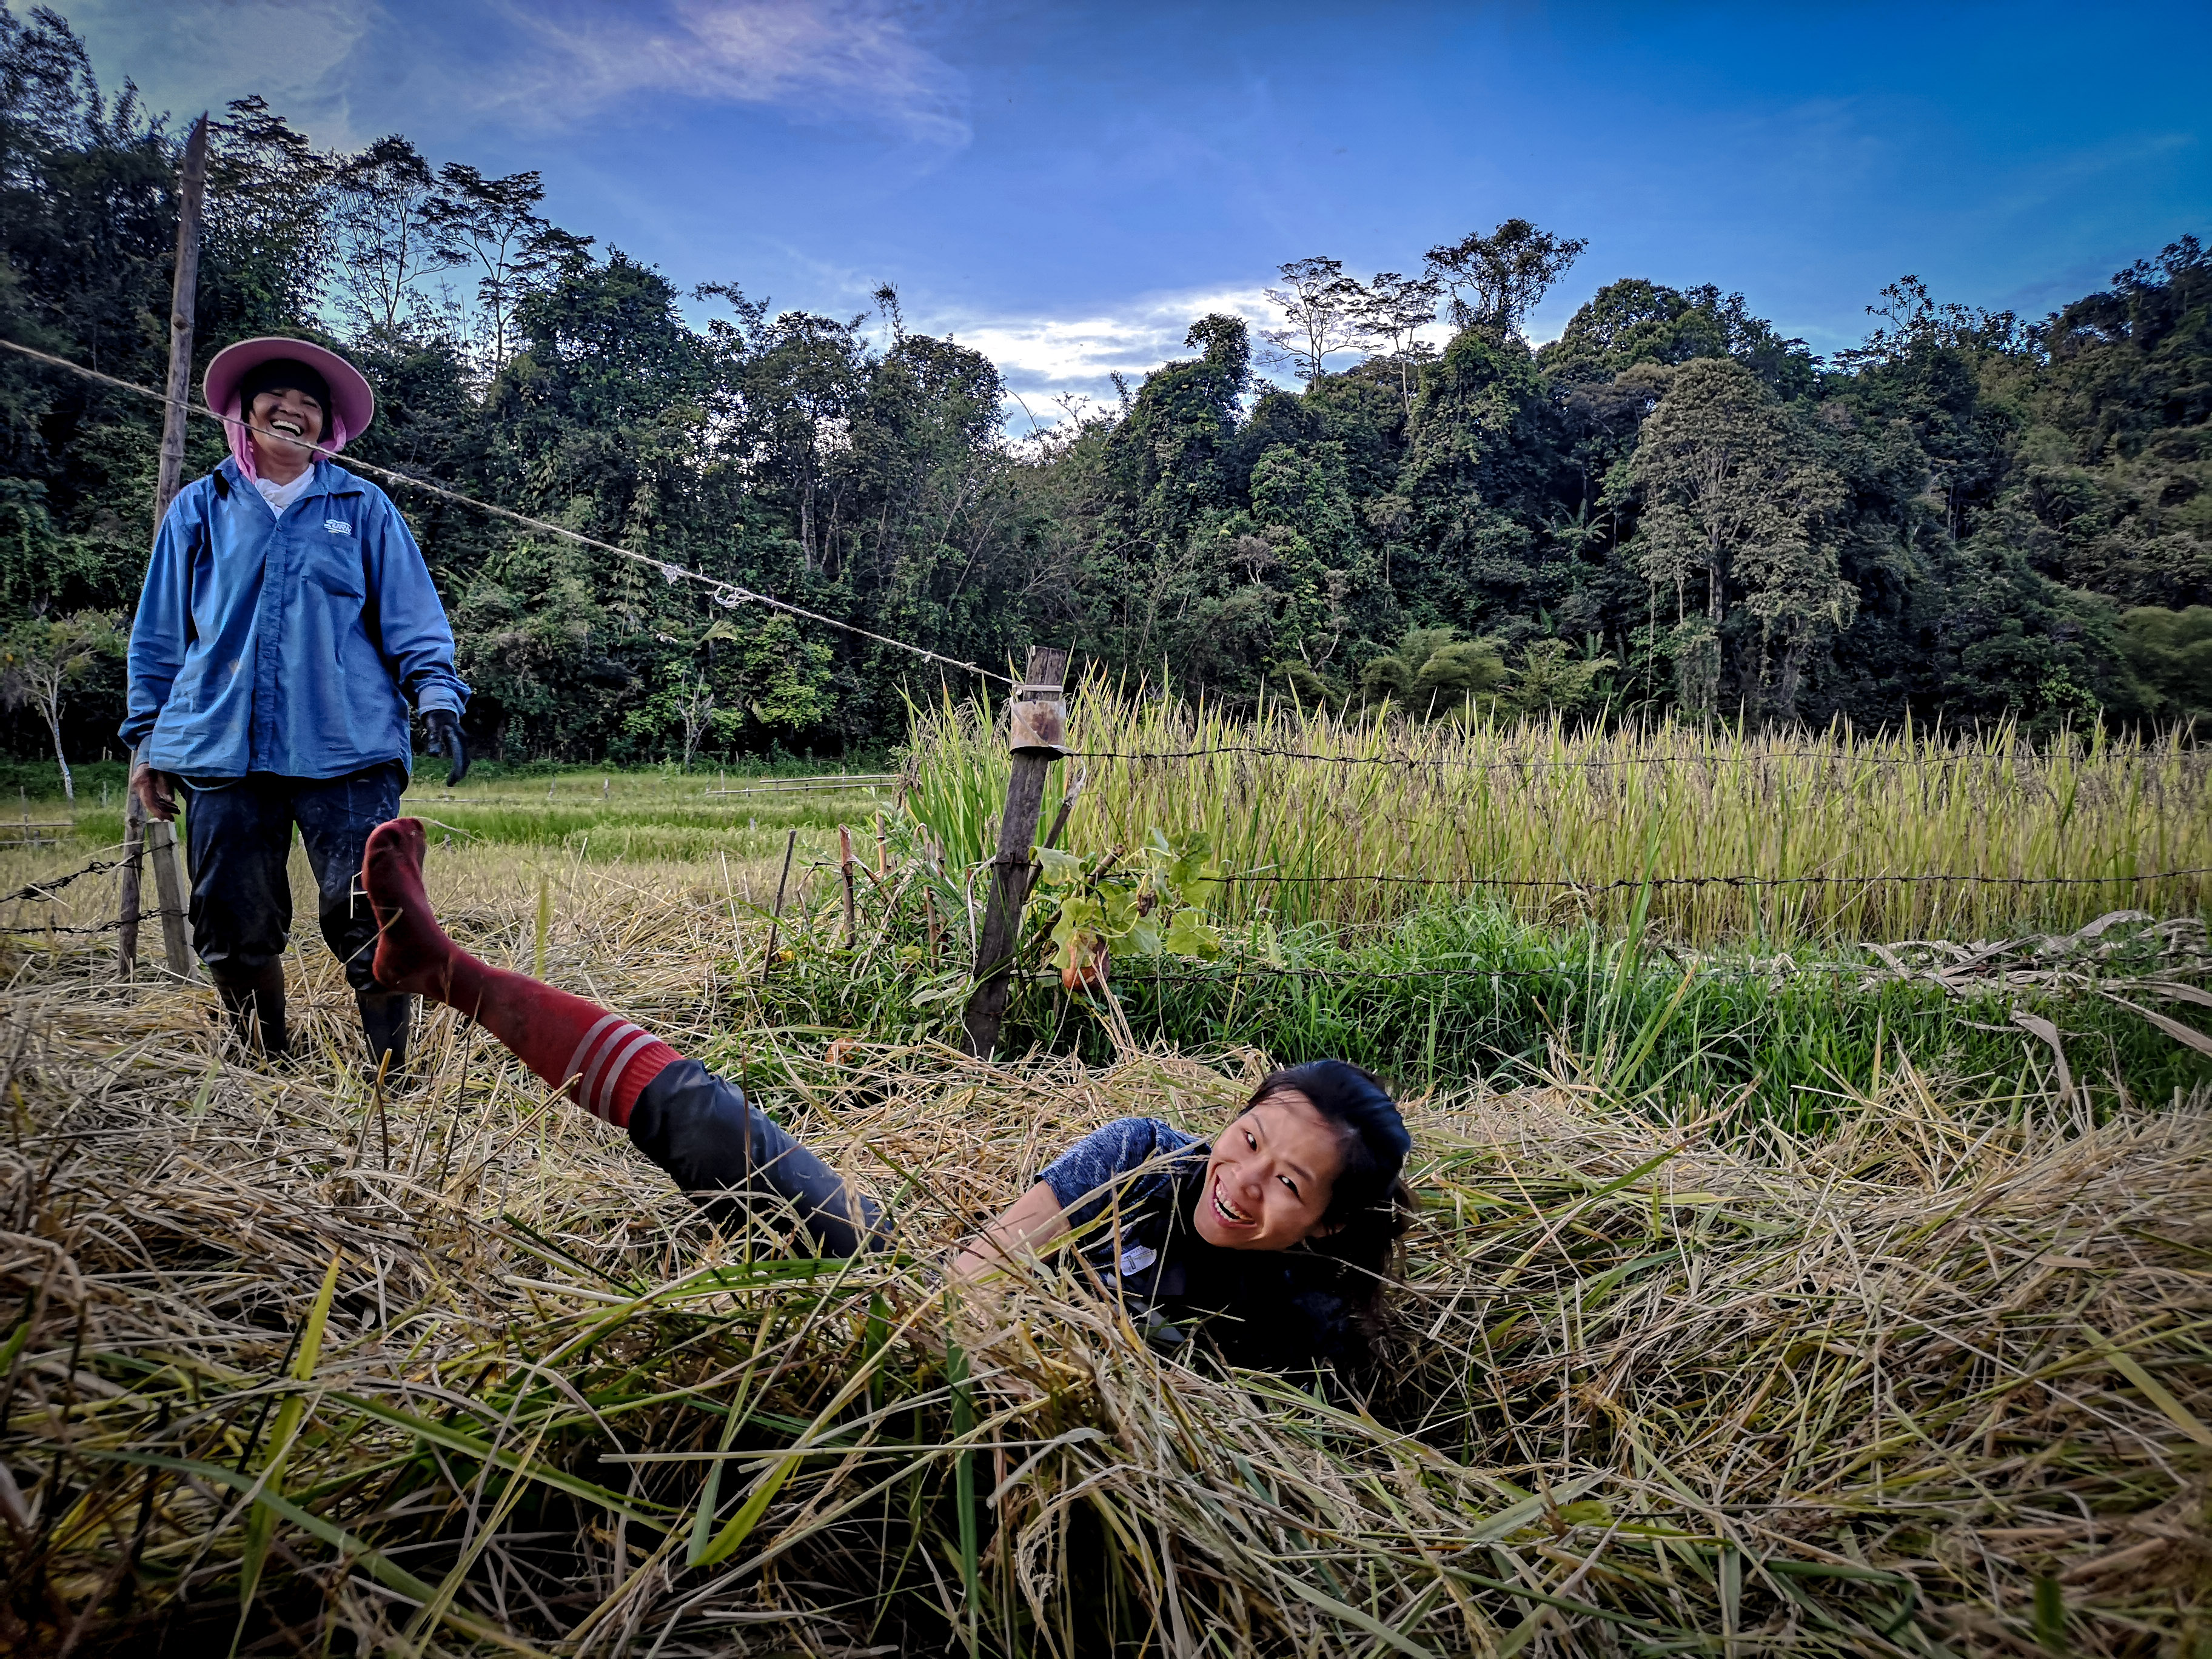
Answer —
293 1366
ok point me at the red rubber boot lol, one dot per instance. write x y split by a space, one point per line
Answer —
600 1058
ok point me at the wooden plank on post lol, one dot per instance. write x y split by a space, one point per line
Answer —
161 838
169 892
1038 726
126 921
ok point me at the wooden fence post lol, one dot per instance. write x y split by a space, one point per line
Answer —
1036 734
169 887
134 852
161 838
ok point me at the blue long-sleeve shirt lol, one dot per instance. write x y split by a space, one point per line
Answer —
290 644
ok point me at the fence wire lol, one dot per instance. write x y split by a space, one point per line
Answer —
1533 764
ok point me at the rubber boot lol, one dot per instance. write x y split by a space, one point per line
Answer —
386 1020
253 1001
732 1160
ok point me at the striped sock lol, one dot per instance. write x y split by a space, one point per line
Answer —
601 1058
613 1063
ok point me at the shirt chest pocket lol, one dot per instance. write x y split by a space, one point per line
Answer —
331 560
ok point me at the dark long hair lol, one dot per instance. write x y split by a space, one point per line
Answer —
1370 1206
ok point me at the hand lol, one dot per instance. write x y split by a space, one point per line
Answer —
444 727
156 792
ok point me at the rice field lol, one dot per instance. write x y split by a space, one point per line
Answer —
293 1364
1770 835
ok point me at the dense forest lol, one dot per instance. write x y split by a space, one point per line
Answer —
1970 517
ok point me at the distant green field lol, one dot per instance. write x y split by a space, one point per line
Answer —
594 813
658 814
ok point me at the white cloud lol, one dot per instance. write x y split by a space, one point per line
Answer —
187 57
1079 353
1044 359
843 59
347 69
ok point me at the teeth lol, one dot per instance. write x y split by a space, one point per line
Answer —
1229 1210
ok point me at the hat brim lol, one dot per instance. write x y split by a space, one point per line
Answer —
349 391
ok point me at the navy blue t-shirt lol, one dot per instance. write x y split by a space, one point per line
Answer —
1128 1190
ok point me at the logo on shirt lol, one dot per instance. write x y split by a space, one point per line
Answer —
337 526
1137 1258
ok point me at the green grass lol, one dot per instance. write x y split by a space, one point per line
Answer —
593 813
1469 990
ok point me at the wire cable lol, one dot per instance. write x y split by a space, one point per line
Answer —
1569 884
1534 764
727 593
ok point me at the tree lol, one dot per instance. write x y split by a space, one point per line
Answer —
1550 680
494 226
1633 321
1390 310
2171 651
42 659
270 243
1320 310
389 209
1499 279
1434 673
1734 501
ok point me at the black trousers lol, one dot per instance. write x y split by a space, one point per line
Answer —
240 837
733 1162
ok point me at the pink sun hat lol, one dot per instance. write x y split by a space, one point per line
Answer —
354 405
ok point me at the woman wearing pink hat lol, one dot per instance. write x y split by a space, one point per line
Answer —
287 623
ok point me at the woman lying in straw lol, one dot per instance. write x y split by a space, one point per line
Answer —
1276 1239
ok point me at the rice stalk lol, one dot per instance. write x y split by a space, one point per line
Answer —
1439 809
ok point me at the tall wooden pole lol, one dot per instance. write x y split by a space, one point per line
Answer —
161 838
1037 731
183 298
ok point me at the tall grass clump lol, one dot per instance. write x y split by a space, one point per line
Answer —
1814 835
293 1367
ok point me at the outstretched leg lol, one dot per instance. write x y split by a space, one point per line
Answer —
700 1129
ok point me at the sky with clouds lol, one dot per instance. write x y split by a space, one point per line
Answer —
1068 186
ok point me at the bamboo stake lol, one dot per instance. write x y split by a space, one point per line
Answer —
134 857
775 916
845 872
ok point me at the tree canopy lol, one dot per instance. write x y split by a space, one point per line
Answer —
1671 506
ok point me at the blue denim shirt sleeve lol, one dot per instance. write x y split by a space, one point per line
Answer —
417 641
159 633
288 643
1085 1177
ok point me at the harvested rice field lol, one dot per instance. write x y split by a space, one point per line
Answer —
296 1365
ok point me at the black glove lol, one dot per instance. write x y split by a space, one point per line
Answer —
444 727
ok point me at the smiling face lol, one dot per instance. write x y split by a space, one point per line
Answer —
1268 1182
284 423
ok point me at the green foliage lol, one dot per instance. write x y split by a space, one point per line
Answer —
1946 522
1433 672
1146 902
1454 991
2171 652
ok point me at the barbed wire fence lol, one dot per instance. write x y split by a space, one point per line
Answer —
1530 768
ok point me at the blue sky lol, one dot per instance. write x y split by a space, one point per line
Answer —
1068 186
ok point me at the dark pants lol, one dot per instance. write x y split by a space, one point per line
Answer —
241 836
733 1162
